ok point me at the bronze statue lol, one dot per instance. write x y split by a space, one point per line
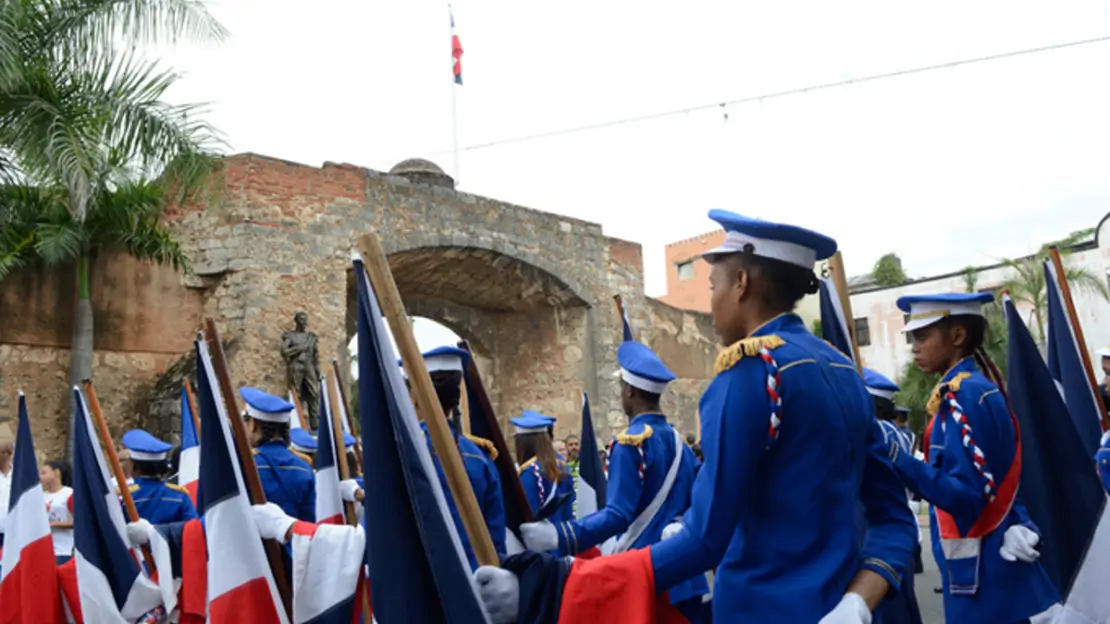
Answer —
302 360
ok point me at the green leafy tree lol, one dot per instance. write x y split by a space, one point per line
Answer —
815 327
888 271
92 152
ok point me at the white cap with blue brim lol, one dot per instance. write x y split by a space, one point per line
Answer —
924 310
776 241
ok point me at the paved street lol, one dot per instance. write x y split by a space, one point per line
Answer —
932 609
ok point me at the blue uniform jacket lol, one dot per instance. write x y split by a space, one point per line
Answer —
629 492
486 483
898 607
287 480
159 502
1007 591
537 489
778 513
1103 459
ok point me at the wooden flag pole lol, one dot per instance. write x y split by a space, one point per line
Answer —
464 405
297 411
342 385
1081 343
192 406
114 465
427 404
246 456
840 279
620 312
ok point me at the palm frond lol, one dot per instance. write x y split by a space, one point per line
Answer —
129 218
1085 280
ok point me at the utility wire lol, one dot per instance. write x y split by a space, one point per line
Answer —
780 94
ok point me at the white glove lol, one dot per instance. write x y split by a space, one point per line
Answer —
671 530
348 490
851 610
138 533
539 536
500 593
271 521
1020 544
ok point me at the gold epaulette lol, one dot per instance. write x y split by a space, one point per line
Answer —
635 439
846 356
933 406
306 458
134 487
484 444
177 488
748 347
525 465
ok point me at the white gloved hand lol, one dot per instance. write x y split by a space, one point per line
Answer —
1019 543
271 521
500 593
671 530
138 533
539 536
349 490
851 610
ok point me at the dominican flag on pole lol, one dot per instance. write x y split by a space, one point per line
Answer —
626 327
1065 362
456 50
244 591
418 572
28 575
329 503
188 472
591 474
1059 484
110 582
834 326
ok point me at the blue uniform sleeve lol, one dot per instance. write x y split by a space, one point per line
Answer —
1102 457
188 511
493 508
734 438
952 483
308 506
531 491
891 529
621 498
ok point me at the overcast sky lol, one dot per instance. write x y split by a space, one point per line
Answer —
947 168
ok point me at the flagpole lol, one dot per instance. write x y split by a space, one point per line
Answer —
455 129
1081 343
840 279
192 407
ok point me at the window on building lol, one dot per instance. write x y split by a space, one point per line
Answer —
685 271
908 335
863 332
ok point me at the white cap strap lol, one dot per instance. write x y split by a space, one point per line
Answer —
784 251
278 417
648 385
882 394
141 456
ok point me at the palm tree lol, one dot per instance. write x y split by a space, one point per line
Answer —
94 150
1027 285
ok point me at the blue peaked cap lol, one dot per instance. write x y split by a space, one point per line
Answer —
144 446
777 241
642 369
302 440
531 422
446 359
348 440
901 409
265 406
924 310
878 384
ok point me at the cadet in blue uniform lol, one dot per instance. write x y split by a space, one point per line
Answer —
544 477
155 500
1102 457
445 366
303 444
651 474
901 419
288 480
983 539
899 607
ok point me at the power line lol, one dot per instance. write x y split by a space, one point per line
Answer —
779 94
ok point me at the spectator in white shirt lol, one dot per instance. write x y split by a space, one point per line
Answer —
59 507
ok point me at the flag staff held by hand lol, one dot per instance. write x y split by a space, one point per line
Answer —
840 278
1069 307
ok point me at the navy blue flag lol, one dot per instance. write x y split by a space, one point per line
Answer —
591 473
1065 363
418 571
626 326
111 584
1059 484
834 326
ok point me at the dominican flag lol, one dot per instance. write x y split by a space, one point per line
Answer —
188 472
1065 362
329 503
244 591
456 50
591 474
110 582
28 575
1059 484
418 572
834 325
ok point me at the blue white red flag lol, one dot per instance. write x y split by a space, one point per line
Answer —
834 324
418 571
188 469
591 473
456 50
329 503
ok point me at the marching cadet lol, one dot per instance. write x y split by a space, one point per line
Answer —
303 444
543 476
651 474
776 518
155 500
899 607
287 479
983 539
901 419
1102 457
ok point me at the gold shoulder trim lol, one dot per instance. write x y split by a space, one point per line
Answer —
525 465
484 444
306 458
637 439
933 406
177 488
748 347
134 487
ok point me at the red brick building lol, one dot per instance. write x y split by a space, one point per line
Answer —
687 277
